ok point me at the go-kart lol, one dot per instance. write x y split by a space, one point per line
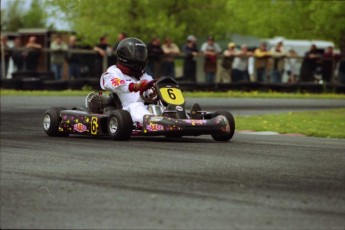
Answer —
104 115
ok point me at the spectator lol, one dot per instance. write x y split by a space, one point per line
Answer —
103 50
170 50
328 64
73 59
341 70
57 56
240 65
291 66
211 50
278 57
18 55
7 54
120 37
34 53
309 64
155 53
226 65
190 51
261 62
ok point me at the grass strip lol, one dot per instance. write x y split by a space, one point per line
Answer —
325 123
233 94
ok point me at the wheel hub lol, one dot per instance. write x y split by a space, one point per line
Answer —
113 125
46 122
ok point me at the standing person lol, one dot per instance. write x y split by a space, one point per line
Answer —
211 50
278 57
5 57
73 59
226 65
190 51
291 66
18 55
328 64
34 53
240 65
103 50
170 50
261 62
57 56
128 77
155 53
309 64
120 37
341 70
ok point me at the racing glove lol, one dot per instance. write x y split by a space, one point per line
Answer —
150 83
148 93
140 86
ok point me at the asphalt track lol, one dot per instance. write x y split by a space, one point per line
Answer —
252 182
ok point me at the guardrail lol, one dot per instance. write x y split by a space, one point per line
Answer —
105 64
46 81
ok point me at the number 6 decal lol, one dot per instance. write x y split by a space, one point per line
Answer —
172 96
94 125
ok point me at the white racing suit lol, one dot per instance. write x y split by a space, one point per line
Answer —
114 80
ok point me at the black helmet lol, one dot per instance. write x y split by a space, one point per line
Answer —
132 53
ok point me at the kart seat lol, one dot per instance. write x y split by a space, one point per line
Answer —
115 100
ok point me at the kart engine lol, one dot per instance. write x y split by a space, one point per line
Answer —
95 102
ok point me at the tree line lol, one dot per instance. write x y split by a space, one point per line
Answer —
293 19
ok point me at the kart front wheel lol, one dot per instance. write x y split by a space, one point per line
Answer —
51 122
225 136
120 125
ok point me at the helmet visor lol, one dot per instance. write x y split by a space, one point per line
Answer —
139 52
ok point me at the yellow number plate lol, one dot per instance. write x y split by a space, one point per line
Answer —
172 96
94 125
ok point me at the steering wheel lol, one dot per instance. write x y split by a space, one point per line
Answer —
150 98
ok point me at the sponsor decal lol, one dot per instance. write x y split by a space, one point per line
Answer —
179 108
156 118
196 122
140 44
79 127
117 81
154 127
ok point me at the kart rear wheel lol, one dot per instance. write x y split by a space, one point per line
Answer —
120 125
224 136
51 122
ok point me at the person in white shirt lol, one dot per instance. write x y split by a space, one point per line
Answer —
211 50
240 65
277 62
127 78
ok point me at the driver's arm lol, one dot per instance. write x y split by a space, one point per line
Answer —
136 87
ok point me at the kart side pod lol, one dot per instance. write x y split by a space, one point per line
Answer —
159 125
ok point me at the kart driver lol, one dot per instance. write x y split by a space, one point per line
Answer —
127 78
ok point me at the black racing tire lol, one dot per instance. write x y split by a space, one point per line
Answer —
224 136
51 122
120 125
